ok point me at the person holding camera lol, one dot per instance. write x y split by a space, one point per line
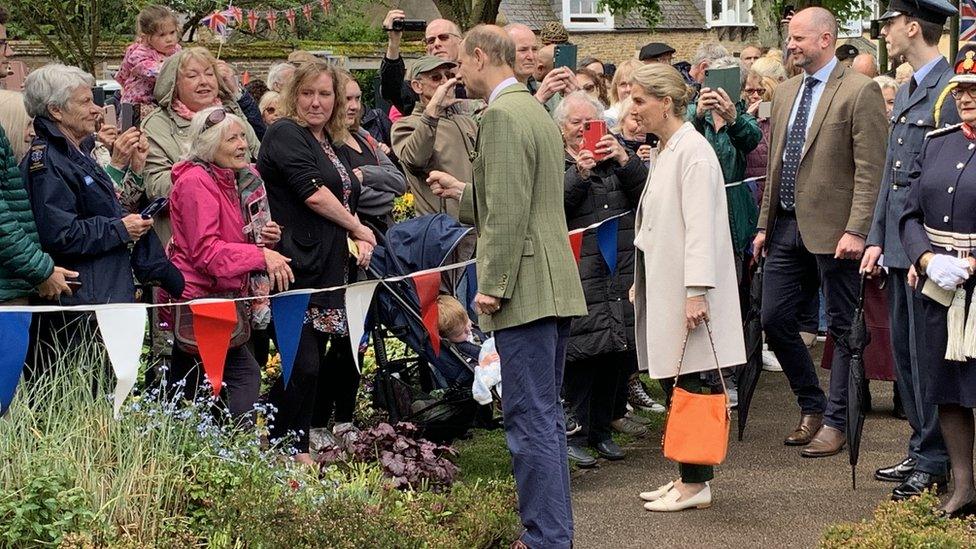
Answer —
555 83
435 136
442 39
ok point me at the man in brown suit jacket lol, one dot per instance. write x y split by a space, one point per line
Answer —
827 149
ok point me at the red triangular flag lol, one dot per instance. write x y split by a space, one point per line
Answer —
325 5
428 286
246 78
290 16
307 12
576 243
213 324
272 18
252 20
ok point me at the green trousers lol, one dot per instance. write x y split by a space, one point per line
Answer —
690 474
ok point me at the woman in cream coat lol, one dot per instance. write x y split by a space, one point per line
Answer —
688 274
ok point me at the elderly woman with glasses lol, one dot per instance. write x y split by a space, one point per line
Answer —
938 231
80 222
601 355
317 192
222 236
758 90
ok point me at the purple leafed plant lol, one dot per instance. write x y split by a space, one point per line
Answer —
406 459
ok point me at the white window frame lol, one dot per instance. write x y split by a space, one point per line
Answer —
571 24
719 23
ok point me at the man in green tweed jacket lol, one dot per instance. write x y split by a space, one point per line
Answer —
528 282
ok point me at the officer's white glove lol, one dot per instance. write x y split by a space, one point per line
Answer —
947 271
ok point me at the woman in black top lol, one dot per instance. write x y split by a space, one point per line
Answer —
315 195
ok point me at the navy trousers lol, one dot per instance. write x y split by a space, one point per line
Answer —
532 359
792 274
926 445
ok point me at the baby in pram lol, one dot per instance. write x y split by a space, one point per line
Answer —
478 351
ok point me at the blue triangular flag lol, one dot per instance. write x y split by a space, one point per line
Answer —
14 330
606 238
471 284
288 312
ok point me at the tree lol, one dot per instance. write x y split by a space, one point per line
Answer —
71 31
468 13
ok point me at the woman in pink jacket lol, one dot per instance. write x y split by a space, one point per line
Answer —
222 239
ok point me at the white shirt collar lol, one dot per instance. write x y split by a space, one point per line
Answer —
501 86
824 73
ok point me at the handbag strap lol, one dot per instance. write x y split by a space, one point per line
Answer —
711 341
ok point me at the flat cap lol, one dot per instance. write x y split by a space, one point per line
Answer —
847 51
428 63
932 11
654 49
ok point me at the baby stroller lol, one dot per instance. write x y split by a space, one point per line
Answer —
431 391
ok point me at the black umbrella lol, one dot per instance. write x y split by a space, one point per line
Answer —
747 374
857 340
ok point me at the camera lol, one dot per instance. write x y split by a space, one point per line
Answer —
409 25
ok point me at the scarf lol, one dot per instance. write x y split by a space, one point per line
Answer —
968 131
184 112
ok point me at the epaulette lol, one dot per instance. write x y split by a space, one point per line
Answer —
944 131
36 157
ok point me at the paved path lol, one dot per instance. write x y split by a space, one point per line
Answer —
765 495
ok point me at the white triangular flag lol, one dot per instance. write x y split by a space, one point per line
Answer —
123 330
358 298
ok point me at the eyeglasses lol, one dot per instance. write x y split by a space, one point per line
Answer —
438 77
958 93
215 118
750 91
442 37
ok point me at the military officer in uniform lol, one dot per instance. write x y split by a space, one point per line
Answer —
938 233
912 29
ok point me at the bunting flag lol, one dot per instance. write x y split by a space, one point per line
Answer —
358 298
236 14
213 324
272 18
290 16
216 22
14 338
325 5
246 78
123 331
307 12
576 243
606 239
288 311
252 20
471 284
428 286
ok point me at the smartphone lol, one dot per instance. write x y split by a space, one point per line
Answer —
875 29
153 208
788 10
564 56
98 96
129 116
110 117
75 285
728 79
651 139
593 130
765 109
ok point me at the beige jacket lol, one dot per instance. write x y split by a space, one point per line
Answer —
424 144
683 238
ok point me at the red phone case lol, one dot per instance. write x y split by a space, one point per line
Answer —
592 132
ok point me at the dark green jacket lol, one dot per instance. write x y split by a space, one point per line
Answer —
731 145
22 263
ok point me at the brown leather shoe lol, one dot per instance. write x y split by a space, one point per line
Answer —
803 434
827 442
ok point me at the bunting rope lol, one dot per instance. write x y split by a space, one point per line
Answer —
302 291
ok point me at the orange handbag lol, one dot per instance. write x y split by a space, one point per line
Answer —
697 427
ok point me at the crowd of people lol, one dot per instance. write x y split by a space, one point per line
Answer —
817 168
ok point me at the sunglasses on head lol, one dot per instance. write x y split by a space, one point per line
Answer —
215 118
429 40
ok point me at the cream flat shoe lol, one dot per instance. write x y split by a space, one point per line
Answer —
669 503
657 494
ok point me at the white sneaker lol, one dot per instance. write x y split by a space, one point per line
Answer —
657 494
669 502
770 363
